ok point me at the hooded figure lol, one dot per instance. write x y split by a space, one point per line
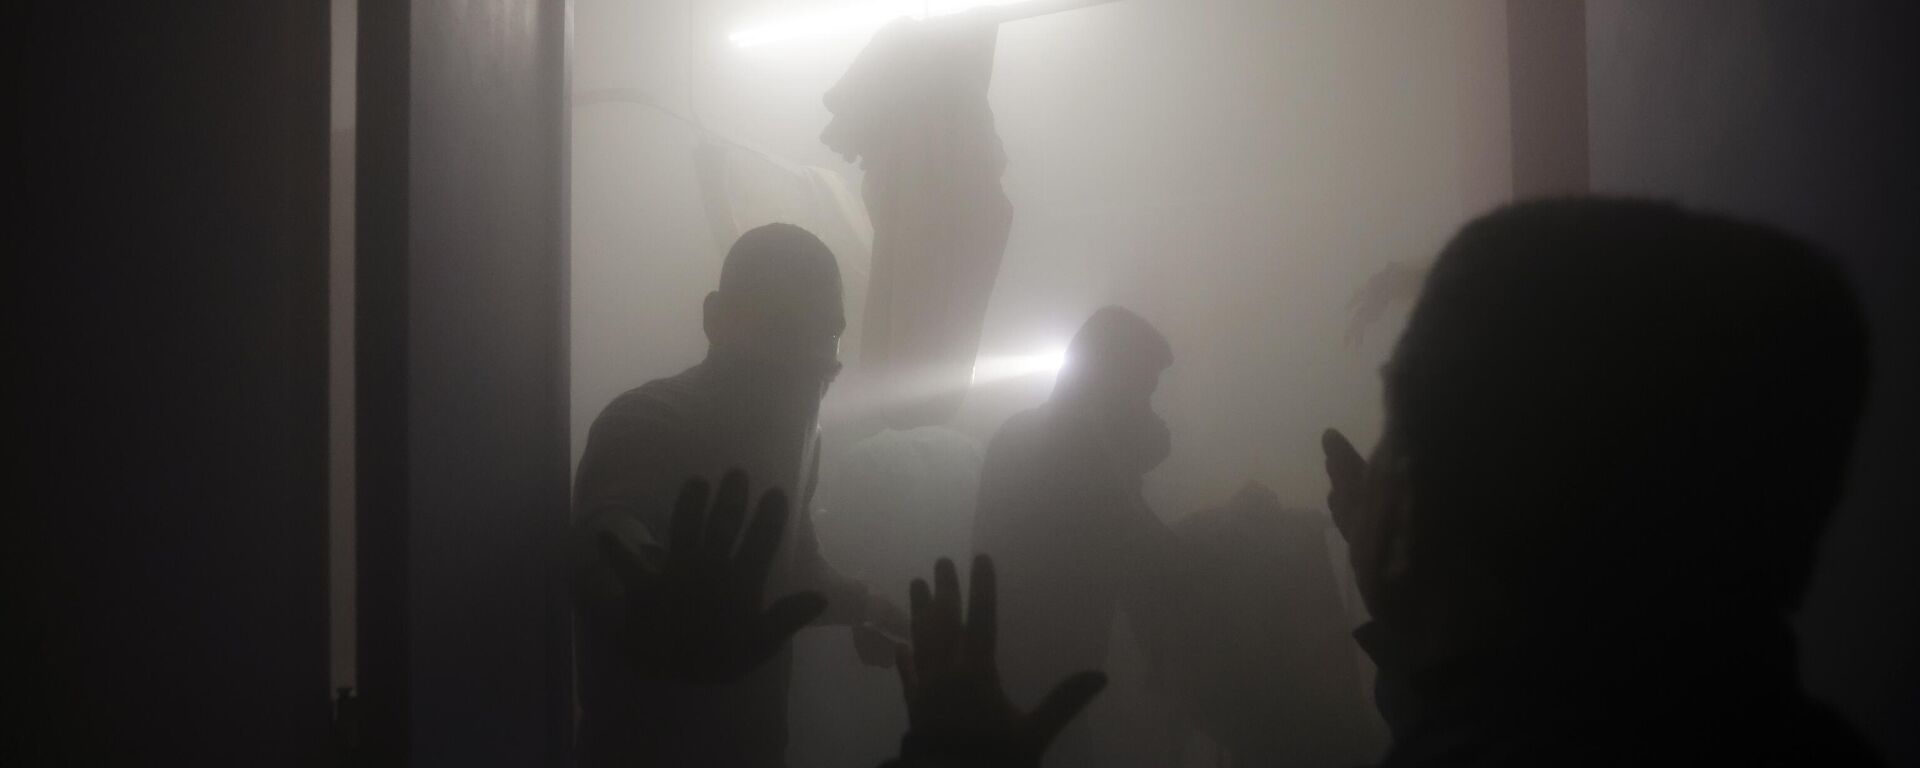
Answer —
1060 510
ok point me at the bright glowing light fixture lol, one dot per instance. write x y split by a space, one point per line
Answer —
852 18
989 369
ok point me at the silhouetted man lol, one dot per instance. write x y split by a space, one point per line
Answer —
1614 433
752 405
1060 508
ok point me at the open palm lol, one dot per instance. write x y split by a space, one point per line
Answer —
698 618
958 713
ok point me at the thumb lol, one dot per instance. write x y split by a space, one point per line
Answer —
909 679
1063 703
1344 462
1346 473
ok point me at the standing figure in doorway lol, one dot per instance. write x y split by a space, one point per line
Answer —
752 406
1060 510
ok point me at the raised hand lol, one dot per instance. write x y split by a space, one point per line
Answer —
958 714
1369 506
1347 474
698 618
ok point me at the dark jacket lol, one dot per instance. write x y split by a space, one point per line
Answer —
1612 691
639 452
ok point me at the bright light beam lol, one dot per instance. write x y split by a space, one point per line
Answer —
990 369
852 18
860 395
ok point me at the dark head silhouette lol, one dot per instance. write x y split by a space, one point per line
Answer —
1629 402
779 302
1605 404
1614 433
1115 359
1113 367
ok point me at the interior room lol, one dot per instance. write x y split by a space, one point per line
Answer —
638 382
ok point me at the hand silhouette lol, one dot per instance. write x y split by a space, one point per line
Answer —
1347 475
1368 502
698 617
957 712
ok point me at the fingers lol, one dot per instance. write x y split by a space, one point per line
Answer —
982 613
1062 704
1346 473
1344 462
946 613
785 617
625 564
688 520
729 511
920 617
762 540
909 681
946 594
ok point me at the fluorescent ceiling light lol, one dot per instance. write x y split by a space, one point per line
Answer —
852 18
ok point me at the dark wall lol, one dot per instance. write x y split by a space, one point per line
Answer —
170 325
463 392
1801 114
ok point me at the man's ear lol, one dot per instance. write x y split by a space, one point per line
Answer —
712 318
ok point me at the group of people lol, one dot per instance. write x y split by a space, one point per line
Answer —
1615 430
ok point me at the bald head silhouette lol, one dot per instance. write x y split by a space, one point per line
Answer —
779 298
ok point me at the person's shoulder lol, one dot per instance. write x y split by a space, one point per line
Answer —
1020 428
683 392
675 403
1015 438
